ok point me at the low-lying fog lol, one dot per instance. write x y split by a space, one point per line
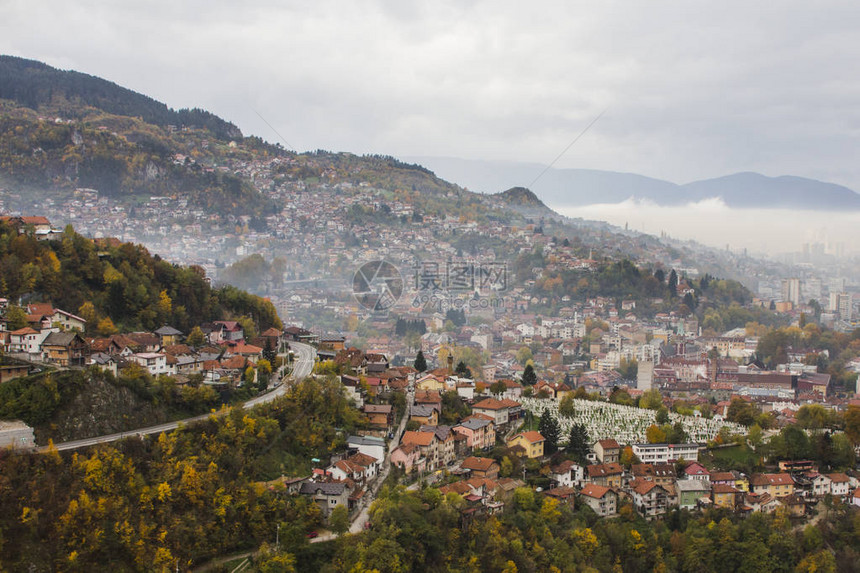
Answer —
711 222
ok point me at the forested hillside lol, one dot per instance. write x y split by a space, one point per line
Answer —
156 504
122 157
34 84
425 531
121 282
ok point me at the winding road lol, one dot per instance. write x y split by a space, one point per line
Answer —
305 355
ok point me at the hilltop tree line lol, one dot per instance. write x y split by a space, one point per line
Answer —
120 282
34 84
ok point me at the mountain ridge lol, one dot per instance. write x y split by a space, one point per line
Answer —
33 84
578 187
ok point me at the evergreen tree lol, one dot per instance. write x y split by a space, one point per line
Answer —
269 352
690 301
578 445
550 430
673 283
529 376
420 363
462 370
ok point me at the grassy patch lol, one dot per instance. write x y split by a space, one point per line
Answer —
741 458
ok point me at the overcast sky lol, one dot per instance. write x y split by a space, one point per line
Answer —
691 89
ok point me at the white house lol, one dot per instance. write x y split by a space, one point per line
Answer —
839 485
568 474
68 321
154 362
28 340
368 445
665 453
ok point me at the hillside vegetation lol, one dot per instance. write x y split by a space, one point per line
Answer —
121 282
154 504
34 84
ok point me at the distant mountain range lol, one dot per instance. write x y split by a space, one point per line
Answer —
575 187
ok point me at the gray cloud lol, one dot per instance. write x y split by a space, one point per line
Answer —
693 89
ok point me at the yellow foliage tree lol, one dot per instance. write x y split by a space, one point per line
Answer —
87 311
655 435
165 304
106 327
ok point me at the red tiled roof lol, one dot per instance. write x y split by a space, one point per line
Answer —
418 438
532 437
645 487
595 491
723 488
489 404
476 463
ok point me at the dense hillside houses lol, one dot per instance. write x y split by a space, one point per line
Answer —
55 338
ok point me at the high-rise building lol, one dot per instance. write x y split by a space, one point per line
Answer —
846 306
645 375
791 291
812 290
833 302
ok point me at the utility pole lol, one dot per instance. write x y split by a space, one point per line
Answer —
278 538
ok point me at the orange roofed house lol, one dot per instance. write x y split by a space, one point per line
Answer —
531 443
603 500
428 445
481 467
608 475
777 485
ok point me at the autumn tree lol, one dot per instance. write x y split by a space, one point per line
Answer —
106 327
655 435
87 311
16 318
524 354
651 399
567 406
272 560
264 373
852 424
628 458
339 520
498 387
816 416
196 338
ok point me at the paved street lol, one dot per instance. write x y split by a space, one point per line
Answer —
302 367
362 516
